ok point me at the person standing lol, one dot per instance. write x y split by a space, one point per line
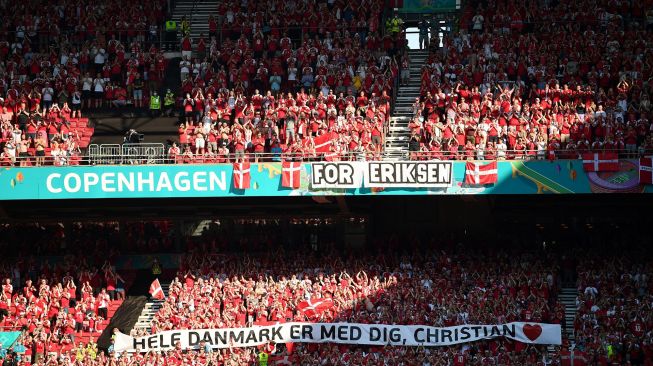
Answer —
171 35
103 304
155 104
423 27
139 83
169 103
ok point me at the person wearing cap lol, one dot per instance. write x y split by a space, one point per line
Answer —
169 103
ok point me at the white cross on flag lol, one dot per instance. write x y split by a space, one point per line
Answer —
315 307
477 173
601 162
156 290
242 175
646 171
323 142
279 360
290 174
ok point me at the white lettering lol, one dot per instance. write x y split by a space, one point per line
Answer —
181 182
331 175
219 181
199 181
374 172
409 174
143 181
444 172
318 176
387 175
48 183
77 181
164 182
346 174
107 179
125 182
90 179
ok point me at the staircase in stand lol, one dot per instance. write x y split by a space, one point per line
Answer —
150 309
197 13
399 133
568 299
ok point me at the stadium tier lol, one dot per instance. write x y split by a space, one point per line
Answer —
599 302
329 182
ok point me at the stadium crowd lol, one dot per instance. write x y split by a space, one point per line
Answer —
440 289
59 58
259 89
60 306
613 319
547 80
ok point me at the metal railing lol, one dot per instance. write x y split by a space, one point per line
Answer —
117 154
152 154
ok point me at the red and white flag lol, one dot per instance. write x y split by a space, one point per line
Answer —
315 307
156 290
242 175
646 171
282 360
323 143
477 173
601 162
290 174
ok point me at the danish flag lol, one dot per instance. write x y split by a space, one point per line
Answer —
323 143
601 162
156 290
314 308
646 171
285 360
476 173
290 174
241 175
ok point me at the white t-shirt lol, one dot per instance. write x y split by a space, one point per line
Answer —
11 150
185 67
478 22
87 83
17 134
99 58
501 150
47 94
292 73
98 85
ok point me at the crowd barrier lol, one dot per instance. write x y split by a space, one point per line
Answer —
156 153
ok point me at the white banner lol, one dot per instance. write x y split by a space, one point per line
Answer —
382 174
409 174
347 174
343 333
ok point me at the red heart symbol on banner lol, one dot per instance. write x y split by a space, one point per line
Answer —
532 331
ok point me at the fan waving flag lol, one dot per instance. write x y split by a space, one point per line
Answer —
323 143
315 307
290 174
156 290
241 175
646 171
601 162
477 173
